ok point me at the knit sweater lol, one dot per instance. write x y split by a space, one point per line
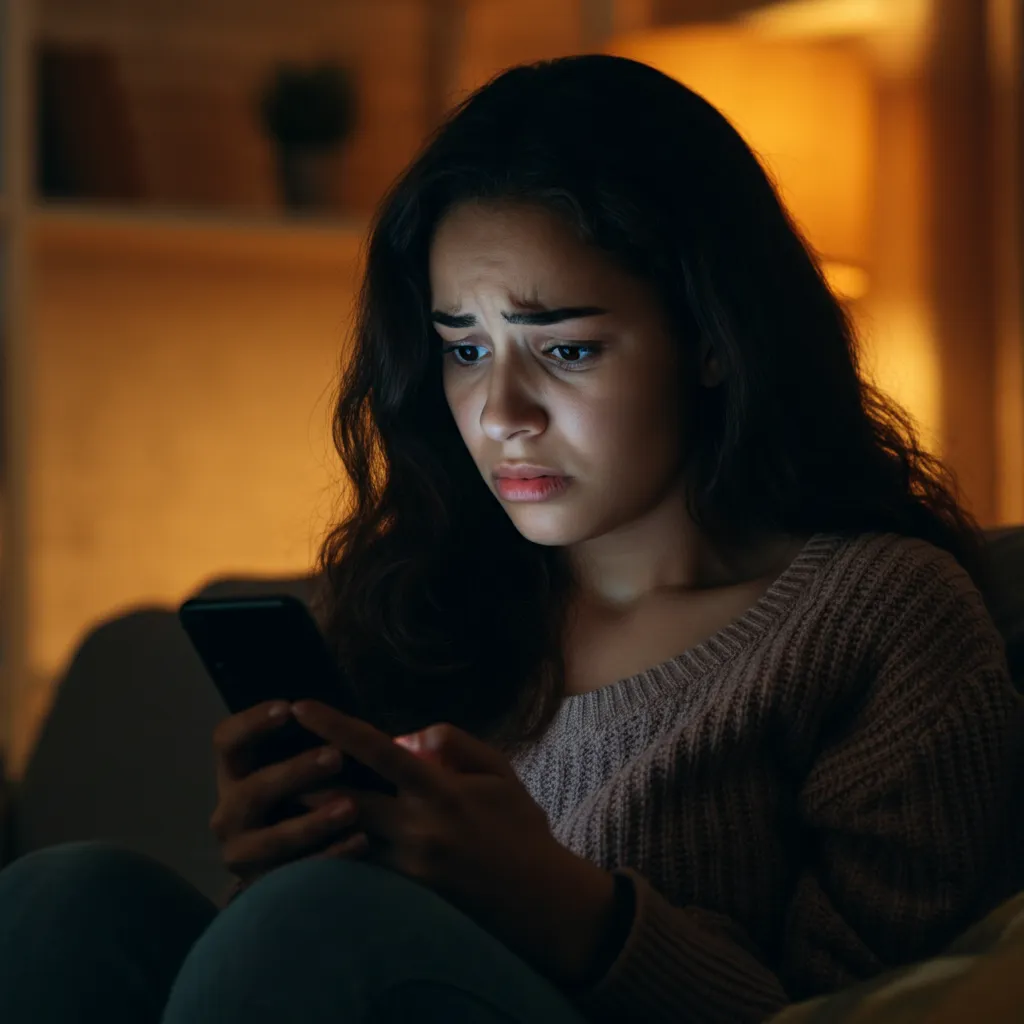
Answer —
825 788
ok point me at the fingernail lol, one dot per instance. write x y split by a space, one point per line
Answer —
277 710
341 808
328 756
410 742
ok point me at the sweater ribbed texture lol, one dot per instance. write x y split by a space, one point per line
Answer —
826 788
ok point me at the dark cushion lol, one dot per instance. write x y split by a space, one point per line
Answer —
125 754
1005 593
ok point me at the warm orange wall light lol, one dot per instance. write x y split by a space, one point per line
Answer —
806 107
802 90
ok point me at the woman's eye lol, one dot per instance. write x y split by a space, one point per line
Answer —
566 356
465 355
572 355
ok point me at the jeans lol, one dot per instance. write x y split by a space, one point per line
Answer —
90 932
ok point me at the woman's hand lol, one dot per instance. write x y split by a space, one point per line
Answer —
463 824
252 841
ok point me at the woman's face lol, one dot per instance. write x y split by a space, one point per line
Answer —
558 367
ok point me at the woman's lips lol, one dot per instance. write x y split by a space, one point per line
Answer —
534 488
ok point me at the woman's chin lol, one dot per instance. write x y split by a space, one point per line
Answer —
548 526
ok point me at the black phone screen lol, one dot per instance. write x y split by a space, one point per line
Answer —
259 649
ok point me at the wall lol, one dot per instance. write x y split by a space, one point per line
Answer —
944 318
1006 42
959 244
499 33
179 429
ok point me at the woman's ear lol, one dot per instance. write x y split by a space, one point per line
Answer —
711 372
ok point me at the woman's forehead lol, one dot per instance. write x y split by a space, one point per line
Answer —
534 259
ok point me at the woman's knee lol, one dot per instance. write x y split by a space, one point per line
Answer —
348 907
317 935
76 880
323 940
90 931
356 888
87 866
74 863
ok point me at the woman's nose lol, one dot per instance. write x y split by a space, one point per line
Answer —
510 410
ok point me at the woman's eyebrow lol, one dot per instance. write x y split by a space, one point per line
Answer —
539 318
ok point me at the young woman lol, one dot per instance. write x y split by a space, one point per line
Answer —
699 709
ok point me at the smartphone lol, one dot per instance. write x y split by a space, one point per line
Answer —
259 649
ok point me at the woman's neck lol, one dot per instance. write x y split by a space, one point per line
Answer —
666 553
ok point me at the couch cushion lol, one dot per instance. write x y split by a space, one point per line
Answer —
1005 593
979 978
125 754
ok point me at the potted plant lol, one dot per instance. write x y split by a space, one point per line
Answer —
309 113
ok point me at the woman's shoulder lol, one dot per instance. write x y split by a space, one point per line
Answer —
915 609
917 651
893 557
884 594
889 571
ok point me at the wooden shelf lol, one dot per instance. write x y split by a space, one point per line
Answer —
176 234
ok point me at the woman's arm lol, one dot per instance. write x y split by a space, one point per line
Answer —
911 809
907 812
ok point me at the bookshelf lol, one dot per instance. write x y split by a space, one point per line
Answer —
195 235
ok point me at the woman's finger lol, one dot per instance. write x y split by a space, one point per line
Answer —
235 737
384 817
259 851
371 747
314 798
264 789
357 845
246 803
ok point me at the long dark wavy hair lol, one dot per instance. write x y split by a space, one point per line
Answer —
438 608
